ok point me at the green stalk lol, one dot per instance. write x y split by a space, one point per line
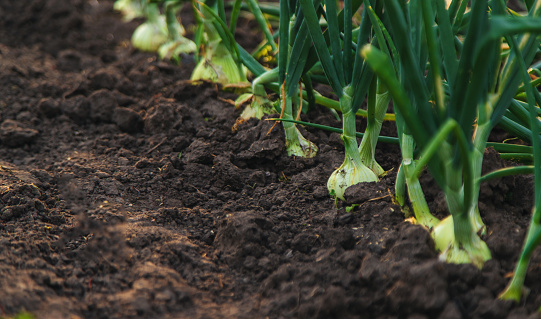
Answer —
515 129
434 56
376 114
382 66
400 186
334 38
310 92
381 138
235 11
263 23
267 8
481 136
519 157
348 63
533 83
515 289
174 28
152 12
510 148
220 8
434 146
508 171
283 40
335 105
415 192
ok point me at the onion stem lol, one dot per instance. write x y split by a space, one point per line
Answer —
352 171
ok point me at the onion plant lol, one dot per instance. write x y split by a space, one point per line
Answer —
177 44
160 33
351 80
220 61
449 105
130 9
293 54
217 63
150 35
515 288
405 177
378 98
259 104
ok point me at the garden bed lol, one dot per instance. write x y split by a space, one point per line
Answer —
125 192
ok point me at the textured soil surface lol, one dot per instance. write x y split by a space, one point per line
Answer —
125 193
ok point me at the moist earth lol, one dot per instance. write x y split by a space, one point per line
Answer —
128 192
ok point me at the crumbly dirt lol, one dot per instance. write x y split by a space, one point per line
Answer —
125 193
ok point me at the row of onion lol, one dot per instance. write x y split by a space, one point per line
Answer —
454 70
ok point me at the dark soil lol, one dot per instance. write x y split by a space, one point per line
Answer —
125 193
